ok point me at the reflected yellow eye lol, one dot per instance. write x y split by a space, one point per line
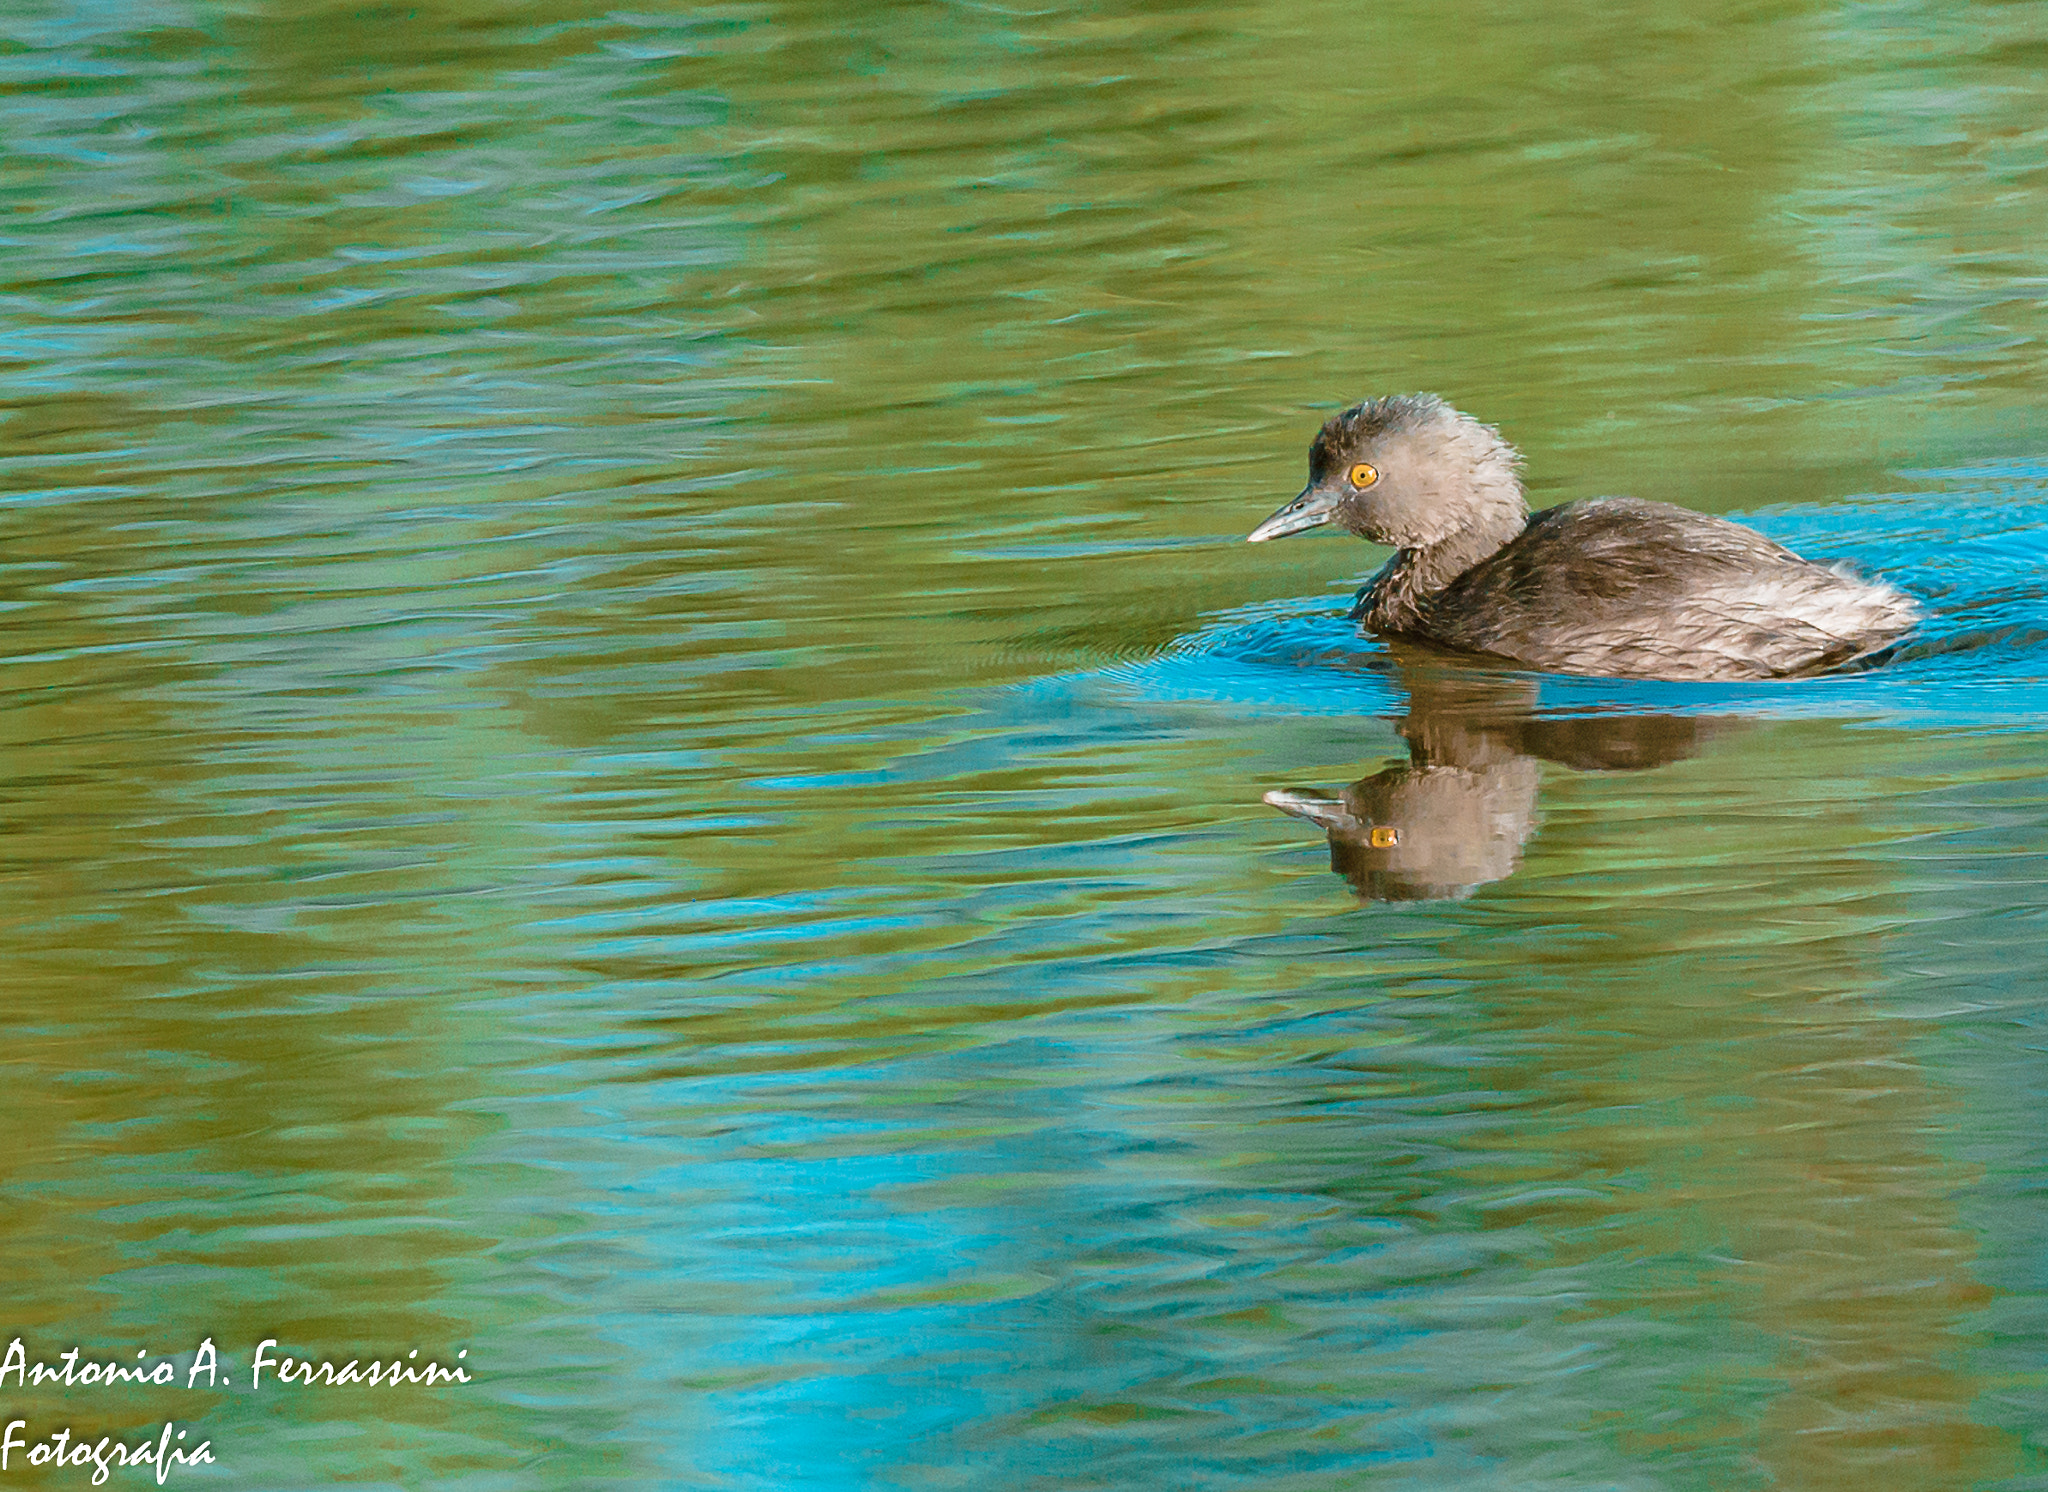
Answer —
1363 476
1384 836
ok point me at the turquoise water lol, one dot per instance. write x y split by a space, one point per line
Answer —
637 741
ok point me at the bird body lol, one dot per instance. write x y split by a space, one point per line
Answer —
1613 586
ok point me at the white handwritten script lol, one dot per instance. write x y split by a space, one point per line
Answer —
104 1454
207 1368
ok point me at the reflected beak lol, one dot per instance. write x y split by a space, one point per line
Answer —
1328 813
1311 510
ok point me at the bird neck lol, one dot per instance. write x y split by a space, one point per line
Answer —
1394 599
1433 566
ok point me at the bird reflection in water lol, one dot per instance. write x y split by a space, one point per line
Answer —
1455 816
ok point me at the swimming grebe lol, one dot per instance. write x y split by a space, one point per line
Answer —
1612 586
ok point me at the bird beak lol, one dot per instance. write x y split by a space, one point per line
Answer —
1311 510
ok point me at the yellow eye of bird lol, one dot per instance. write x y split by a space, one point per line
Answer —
1363 476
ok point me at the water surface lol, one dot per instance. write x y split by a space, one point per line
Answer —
635 741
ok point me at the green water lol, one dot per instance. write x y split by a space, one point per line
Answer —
634 728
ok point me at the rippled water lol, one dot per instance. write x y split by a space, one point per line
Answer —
637 743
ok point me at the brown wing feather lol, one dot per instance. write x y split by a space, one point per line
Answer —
1619 586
